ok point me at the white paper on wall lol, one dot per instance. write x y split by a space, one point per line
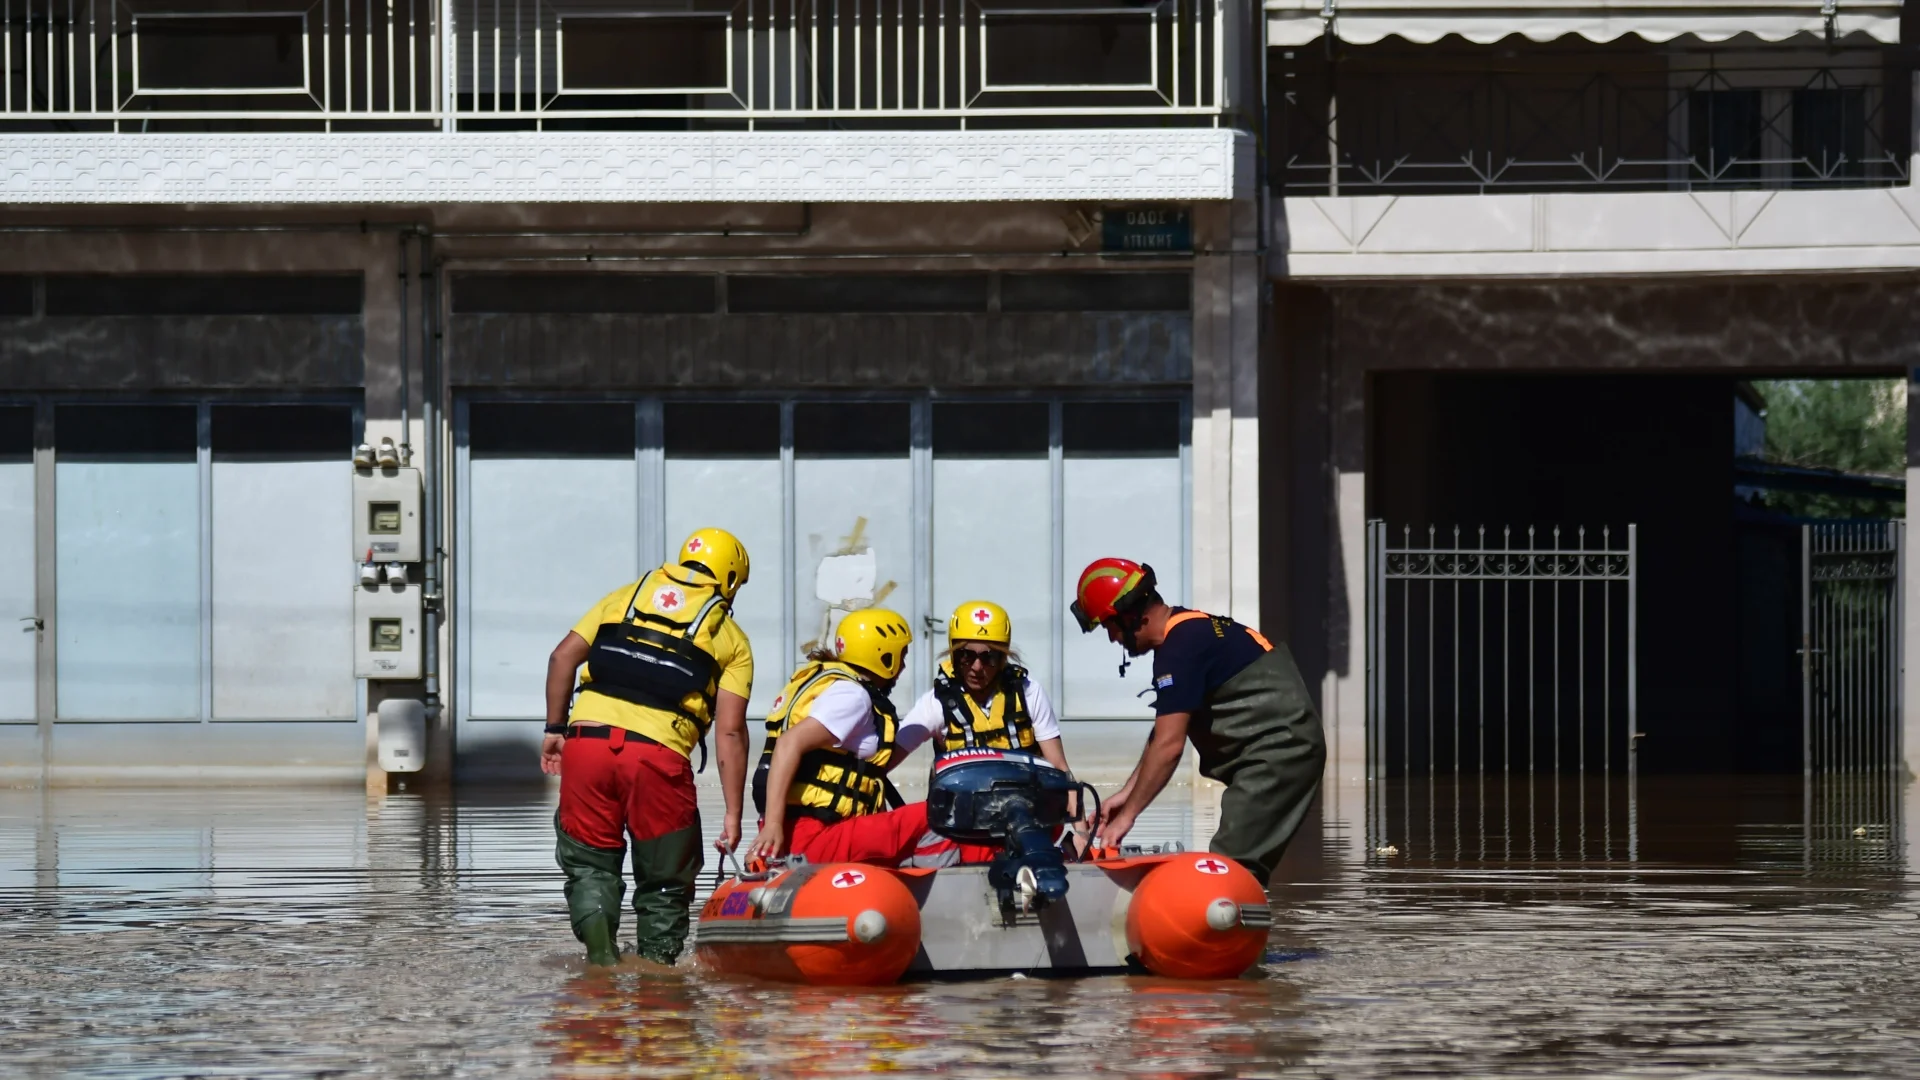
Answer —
846 581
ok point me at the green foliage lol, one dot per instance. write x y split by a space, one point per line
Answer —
1853 425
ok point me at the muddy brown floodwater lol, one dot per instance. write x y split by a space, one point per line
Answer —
311 933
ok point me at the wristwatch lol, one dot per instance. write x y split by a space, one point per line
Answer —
557 729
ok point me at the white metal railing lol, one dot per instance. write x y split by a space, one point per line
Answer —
790 59
134 65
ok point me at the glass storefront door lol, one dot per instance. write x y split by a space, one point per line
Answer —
18 603
282 601
723 469
993 521
127 541
551 523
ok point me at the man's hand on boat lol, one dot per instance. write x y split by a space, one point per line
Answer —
729 838
1116 819
771 843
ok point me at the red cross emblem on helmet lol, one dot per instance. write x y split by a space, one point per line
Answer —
1210 865
982 616
696 544
847 879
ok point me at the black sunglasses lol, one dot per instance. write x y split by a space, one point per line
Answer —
968 657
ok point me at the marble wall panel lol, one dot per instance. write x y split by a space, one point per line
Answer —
769 351
1865 324
182 352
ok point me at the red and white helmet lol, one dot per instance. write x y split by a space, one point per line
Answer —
1110 587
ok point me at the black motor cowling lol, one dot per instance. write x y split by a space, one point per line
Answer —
1011 799
974 793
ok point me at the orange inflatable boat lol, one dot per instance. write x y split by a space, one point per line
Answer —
1179 914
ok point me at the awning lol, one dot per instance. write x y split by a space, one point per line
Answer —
1362 22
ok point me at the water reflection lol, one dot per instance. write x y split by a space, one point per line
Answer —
604 1024
288 932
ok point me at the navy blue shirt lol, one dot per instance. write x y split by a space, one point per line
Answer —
1197 656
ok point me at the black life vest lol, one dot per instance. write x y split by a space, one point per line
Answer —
660 655
831 783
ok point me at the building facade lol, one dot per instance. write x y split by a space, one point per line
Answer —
983 290
1521 259
925 304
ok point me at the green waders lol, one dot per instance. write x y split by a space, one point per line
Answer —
664 870
1261 737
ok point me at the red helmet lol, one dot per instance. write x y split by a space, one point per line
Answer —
1110 587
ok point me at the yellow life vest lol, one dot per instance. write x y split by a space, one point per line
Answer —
831 783
660 655
1003 725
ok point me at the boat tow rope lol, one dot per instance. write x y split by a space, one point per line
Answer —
1088 817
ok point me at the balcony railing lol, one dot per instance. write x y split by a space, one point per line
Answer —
81 64
1476 121
303 65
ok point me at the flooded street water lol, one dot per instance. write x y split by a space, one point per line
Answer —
307 933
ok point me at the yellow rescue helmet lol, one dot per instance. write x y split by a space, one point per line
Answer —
875 640
980 620
720 555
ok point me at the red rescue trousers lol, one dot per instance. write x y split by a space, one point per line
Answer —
624 784
892 838
615 787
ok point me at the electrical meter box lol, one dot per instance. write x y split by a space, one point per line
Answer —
403 735
386 515
386 631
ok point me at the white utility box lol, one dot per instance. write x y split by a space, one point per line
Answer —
386 632
403 735
386 515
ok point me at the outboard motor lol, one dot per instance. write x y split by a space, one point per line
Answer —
1012 799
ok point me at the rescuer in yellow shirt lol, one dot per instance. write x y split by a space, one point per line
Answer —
665 662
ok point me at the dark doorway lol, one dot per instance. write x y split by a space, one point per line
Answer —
1718 687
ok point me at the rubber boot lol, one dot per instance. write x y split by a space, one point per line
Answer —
593 932
664 871
594 890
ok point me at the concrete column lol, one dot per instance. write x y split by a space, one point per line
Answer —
1225 518
1225 572
393 332
1344 693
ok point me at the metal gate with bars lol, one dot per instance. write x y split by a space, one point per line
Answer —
1851 623
1501 706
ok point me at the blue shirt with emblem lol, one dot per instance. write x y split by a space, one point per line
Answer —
1196 658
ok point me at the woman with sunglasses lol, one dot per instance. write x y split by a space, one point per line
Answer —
982 699
832 738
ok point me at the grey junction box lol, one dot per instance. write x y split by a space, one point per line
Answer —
386 631
386 515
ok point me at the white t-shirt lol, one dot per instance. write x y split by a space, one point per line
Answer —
926 718
845 709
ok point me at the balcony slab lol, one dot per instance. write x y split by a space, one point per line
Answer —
1597 233
1184 164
